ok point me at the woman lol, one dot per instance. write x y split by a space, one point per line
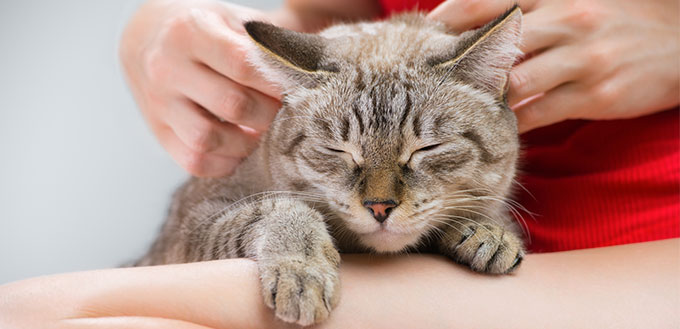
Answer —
594 183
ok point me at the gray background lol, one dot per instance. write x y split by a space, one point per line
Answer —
83 182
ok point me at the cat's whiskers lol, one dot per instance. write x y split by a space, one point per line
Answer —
434 214
456 218
517 182
511 204
423 210
446 218
488 193
514 207
446 222
480 214
516 215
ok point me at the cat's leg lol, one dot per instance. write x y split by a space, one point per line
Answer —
294 251
485 244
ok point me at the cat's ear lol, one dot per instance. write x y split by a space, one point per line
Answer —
289 58
485 56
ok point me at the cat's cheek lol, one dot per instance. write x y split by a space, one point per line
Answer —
492 179
322 170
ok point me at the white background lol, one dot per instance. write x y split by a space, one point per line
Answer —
83 183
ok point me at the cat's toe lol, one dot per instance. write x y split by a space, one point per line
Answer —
488 248
299 292
508 256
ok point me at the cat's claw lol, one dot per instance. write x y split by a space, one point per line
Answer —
485 248
301 291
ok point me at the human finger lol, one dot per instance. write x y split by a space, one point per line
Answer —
539 30
226 52
542 73
557 105
204 134
227 100
196 163
462 15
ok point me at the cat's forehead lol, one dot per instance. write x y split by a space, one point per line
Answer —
386 91
394 107
363 86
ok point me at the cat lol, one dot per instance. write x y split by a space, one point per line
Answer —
393 136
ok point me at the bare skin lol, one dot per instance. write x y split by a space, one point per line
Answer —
631 286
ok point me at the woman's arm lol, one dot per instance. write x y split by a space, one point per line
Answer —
631 286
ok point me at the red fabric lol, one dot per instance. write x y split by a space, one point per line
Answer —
397 6
596 183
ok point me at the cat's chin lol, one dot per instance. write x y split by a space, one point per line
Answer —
383 241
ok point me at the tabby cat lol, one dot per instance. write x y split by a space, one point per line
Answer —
393 136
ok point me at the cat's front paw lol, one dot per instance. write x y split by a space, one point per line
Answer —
302 290
485 248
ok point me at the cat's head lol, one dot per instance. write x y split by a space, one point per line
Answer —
400 125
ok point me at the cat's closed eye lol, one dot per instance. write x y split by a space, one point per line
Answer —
348 156
428 148
334 150
424 149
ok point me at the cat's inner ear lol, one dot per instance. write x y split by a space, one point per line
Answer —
484 57
287 57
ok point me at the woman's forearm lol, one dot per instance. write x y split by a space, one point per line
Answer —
632 286
219 294
626 286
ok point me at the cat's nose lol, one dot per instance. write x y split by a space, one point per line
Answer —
380 209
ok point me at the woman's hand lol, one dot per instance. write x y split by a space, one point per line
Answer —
587 59
185 61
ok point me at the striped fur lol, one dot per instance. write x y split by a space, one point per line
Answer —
401 111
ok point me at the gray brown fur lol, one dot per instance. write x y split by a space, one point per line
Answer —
373 112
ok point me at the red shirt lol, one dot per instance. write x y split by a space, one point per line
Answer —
596 183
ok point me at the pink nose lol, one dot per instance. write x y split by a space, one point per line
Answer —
380 210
